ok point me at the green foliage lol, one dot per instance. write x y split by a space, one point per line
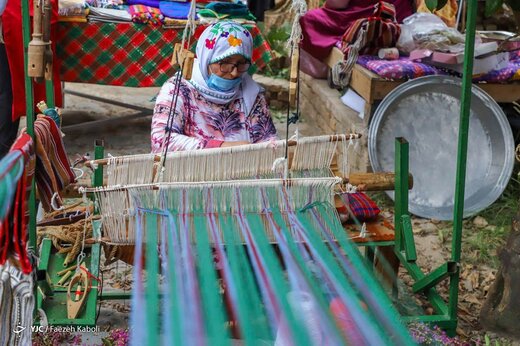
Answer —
275 72
505 208
278 37
494 5
435 4
491 5
481 244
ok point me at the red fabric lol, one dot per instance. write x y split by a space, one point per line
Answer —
362 207
213 143
382 31
13 37
323 27
17 243
53 172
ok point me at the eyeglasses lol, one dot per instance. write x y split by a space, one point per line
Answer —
228 67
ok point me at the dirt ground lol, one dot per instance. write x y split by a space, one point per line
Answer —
132 137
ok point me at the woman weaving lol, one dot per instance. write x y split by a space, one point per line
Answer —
221 105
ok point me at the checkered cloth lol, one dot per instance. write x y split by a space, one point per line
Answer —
130 54
362 207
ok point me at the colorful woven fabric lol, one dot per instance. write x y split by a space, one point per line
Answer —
397 69
146 15
362 207
53 172
16 171
130 54
509 73
381 30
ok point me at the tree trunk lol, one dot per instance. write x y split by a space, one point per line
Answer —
501 311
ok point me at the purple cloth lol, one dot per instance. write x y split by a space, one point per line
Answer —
408 69
503 75
177 10
149 3
323 27
397 69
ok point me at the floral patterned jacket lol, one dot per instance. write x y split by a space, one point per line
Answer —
199 123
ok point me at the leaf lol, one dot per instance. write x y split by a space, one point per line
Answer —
492 6
431 4
441 4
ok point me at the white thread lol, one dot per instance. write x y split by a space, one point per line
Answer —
279 161
342 70
81 255
75 169
53 202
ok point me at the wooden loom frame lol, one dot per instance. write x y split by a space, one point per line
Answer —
446 314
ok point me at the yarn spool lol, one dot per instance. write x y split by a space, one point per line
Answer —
36 50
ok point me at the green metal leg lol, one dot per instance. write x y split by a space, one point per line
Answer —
401 189
462 151
369 254
99 153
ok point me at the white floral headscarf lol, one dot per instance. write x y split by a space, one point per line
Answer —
217 42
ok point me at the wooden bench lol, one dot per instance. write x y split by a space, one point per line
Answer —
373 88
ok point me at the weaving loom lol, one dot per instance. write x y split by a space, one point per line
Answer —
206 199
315 291
311 288
238 202
219 164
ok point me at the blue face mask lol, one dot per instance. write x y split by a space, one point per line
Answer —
221 84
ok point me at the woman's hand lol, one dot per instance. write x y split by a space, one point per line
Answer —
233 144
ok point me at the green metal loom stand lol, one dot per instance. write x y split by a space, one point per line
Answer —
445 312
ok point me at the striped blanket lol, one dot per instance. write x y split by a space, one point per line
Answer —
53 172
16 171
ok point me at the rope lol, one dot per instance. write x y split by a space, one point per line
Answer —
81 255
190 25
299 7
342 70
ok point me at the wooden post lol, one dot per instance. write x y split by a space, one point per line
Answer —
36 48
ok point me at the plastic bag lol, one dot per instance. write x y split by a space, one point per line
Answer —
427 31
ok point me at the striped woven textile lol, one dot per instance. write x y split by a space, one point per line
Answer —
311 289
13 228
146 15
382 30
53 172
362 207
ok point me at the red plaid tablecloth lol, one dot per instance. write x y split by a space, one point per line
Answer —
129 54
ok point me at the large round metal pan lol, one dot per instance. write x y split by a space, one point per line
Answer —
426 112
